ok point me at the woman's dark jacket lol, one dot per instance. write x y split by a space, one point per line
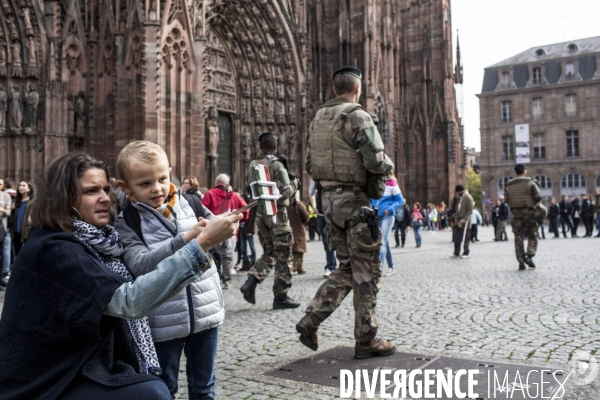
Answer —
52 325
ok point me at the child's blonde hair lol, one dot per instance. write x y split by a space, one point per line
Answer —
138 151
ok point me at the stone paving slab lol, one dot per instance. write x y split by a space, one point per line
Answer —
481 307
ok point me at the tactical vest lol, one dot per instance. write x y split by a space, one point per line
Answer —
282 202
332 157
518 193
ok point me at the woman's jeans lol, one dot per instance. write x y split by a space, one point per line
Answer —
200 351
386 223
418 232
431 224
246 241
6 253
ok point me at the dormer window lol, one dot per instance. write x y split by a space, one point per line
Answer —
573 48
536 75
569 71
505 79
540 52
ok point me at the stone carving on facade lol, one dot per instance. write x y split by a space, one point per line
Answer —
257 89
15 112
291 110
280 113
17 144
269 90
293 143
255 70
282 143
255 140
278 74
10 21
32 99
3 102
80 114
246 146
31 57
244 70
27 22
258 117
16 59
245 85
213 132
291 90
3 59
280 91
245 111
73 58
269 111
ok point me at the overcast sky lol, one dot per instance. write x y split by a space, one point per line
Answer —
493 30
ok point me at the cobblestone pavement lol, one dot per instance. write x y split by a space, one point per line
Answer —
481 307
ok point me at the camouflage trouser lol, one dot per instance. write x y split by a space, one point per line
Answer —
359 265
523 221
276 240
298 264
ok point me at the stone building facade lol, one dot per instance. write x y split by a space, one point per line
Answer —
555 89
203 78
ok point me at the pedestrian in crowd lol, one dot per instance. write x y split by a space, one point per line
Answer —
587 214
565 215
387 205
74 321
313 227
315 193
7 248
219 200
597 211
190 185
276 236
159 221
476 220
523 195
246 238
5 242
358 150
443 216
462 204
432 217
298 215
575 215
401 223
24 194
495 210
416 221
503 214
553 215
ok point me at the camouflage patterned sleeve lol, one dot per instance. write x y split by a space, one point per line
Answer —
282 179
535 191
366 136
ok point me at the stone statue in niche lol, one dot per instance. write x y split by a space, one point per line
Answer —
2 58
280 113
269 90
32 99
291 89
244 70
15 111
3 101
256 141
14 34
255 71
246 146
245 111
258 117
292 144
269 110
246 92
257 90
27 22
280 91
31 53
80 114
213 132
16 58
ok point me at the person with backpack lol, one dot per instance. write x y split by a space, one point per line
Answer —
401 223
160 221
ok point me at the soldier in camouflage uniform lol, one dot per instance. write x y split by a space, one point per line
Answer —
275 237
343 147
522 195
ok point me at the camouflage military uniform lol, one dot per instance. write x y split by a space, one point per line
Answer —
349 235
522 194
275 237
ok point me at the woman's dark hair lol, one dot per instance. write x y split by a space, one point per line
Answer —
19 196
60 191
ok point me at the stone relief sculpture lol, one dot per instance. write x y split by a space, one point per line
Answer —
255 139
16 58
257 90
2 58
3 100
246 146
245 106
213 132
269 90
15 111
258 117
269 110
280 91
32 99
282 143
27 22
292 144
280 113
80 114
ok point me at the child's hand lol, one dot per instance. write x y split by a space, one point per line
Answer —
196 230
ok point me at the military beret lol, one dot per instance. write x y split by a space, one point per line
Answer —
459 188
349 70
519 168
267 134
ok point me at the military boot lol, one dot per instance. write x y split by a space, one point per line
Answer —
376 348
282 301
527 260
522 266
248 289
307 328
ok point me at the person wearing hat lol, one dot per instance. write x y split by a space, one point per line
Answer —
343 146
462 205
523 195
275 237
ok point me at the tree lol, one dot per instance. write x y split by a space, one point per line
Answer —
474 187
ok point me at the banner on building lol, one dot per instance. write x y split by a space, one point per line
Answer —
522 152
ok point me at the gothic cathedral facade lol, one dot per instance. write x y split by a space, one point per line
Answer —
203 78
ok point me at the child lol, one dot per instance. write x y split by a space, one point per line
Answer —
166 221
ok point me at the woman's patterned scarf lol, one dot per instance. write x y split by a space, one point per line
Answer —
106 242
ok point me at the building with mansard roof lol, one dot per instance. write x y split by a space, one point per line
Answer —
202 78
554 91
